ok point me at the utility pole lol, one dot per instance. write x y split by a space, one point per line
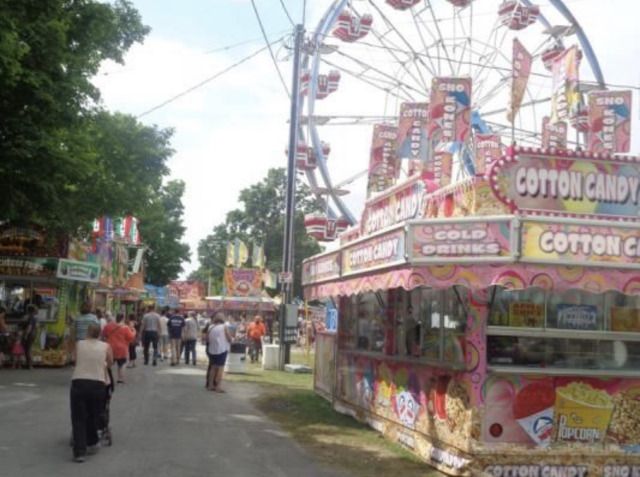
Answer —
289 218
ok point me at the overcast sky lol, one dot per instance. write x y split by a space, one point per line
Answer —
229 132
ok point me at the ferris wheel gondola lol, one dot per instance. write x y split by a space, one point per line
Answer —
393 49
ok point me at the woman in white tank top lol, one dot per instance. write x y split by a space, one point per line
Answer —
88 382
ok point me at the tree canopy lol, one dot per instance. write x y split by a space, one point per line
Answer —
59 165
161 229
261 220
65 160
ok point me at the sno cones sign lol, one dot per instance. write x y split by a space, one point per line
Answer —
609 121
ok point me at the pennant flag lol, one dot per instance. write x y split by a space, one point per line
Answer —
488 150
237 253
270 280
554 135
449 111
609 121
565 95
412 135
521 69
257 257
383 163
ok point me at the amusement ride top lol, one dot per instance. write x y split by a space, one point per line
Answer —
447 85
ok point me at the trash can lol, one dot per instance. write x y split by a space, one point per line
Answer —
270 356
236 359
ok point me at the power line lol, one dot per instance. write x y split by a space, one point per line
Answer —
266 40
235 45
287 12
205 81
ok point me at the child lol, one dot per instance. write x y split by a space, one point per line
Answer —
17 351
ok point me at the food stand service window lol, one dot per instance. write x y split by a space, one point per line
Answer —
423 324
570 332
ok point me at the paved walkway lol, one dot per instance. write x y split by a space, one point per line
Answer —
164 424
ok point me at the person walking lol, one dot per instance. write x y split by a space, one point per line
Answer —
119 336
164 334
132 322
219 340
255 332
88 382
190 334
150 329
175 324
29 333
82 322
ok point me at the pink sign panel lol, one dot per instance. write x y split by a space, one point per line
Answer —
382 251
568 183
457 241
324 267
403 202
488 149
383 163
609 121
412 131
449 110
554 135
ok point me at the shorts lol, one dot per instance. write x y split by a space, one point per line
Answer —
218 359
120 362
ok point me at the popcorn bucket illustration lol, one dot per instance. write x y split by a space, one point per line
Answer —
582 413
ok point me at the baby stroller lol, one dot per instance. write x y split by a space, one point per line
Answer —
104 430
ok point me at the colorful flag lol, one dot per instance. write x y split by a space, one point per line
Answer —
383 163
257 256
609 121
449 111
521 69
565 95
488 149
237 253
554 135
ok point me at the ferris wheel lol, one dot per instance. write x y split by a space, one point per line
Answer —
366 58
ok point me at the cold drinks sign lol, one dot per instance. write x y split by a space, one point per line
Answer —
569 184
461 241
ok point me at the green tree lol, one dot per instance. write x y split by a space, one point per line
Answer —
50 158
161 229
261 219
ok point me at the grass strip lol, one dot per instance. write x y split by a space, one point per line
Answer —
332 438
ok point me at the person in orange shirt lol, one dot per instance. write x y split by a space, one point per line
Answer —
119 336
255 332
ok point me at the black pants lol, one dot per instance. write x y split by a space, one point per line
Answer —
133 355
189 348
149 338
87 402
27 343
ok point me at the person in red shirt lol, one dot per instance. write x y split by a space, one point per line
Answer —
119 336
255 332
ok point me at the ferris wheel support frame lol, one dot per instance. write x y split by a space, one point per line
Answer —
323 29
